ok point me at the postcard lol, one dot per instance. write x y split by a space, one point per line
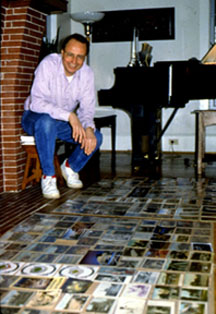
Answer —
100 305
101 258
200 267
196 308
130 306
136 290
129 262
72 285
119 271
201 256
15 297
202 247
146 277
33 283
160 307
68 259
196 280
162 292
194 295
133 252
108 289
7 281
177 265
169 279
36 269
112 278
71 301
156 253
153 263
7 267
44 299
179 254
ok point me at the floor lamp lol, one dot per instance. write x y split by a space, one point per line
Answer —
87 19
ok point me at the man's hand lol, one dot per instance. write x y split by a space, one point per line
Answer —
78 132
89 143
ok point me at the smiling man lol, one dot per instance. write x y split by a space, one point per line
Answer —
61 105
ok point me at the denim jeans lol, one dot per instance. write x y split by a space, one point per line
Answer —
46 131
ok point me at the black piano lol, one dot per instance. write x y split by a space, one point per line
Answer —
144 91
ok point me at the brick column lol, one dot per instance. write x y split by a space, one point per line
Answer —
22 31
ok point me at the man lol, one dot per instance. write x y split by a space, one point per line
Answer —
61 105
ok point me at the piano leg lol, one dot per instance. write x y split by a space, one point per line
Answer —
144 124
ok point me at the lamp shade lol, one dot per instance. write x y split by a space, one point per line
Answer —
87 17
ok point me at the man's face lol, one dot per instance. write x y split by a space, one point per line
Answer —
73 56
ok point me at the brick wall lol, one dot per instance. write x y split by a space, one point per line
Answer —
22 32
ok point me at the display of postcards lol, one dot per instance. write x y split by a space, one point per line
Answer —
202 247
177 265
68 259
136 290
159 245
10 268
78 271
200 267
101 258
163 292
194 295
16 298
100 305
44 299
33 283
50 249
6 281
108 289
71 301
196 280
72 285
201 256
146 277
130 305
129 262
133 252
153 263
160 307
169 279
196 308
179 254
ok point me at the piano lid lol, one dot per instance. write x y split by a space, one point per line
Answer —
210 56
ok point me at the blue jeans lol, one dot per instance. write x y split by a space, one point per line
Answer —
45 131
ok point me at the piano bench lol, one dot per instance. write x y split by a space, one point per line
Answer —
109 122
204 118
32 172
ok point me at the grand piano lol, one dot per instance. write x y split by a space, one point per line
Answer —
144 91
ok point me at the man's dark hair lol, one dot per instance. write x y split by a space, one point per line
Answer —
77 37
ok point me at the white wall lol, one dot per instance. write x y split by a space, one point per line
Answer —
191 40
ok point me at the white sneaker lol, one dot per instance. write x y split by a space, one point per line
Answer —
71 177
49 187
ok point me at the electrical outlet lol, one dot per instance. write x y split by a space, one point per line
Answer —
173 141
